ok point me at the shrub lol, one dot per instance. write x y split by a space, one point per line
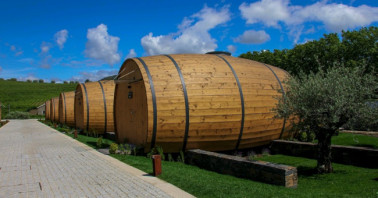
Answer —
113 148
99 142
18 115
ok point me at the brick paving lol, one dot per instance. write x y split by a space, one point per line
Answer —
37 161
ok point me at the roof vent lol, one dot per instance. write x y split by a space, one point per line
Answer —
219 52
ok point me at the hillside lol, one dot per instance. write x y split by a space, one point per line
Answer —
23 96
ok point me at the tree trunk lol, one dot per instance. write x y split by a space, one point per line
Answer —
324 153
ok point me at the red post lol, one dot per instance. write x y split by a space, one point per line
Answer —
55 125
75 134
156 164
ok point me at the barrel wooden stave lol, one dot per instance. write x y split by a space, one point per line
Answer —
94 108
66 108
54 109
47 110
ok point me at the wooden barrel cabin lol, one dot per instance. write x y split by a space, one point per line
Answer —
54 109
94 106
47 110
207 101
66 108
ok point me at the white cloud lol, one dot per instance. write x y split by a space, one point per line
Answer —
61 38
46 61
45 47
253 37
193 34
269 12
335 17
231 48
101 45
30 76
131 54
94 75
17 51
1 69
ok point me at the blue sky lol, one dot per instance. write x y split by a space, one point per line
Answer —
78 40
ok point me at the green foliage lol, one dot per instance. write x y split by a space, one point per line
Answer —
22 96
157 150
113 148
99 142
355 48
17 115
327 100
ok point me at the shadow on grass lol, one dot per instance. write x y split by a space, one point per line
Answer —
306 171
94 145
366 145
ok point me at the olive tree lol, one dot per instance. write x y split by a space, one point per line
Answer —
325 101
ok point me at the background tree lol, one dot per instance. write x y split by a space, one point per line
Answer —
324 101
354 48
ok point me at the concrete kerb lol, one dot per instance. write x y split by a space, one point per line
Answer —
163 185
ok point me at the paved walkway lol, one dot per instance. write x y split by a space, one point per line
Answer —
37 161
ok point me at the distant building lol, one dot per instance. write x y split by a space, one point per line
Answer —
40 110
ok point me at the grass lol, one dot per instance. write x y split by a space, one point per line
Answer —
23 96
346 181
88 140
349 139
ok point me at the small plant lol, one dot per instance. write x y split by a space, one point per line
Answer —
99 142
182 157
159 150
170 158
113 148
128 149
134 151
251 156
302 136
156 150
121 149
265 152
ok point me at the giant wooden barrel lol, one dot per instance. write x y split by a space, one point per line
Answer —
54 109
66 108
94 106
47 110
206 101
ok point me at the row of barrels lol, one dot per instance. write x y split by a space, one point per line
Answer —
184 101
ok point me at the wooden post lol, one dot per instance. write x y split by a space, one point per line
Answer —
75 134
156 164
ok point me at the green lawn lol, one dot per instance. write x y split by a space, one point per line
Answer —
347 181
349 139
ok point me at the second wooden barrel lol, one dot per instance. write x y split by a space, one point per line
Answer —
47 110
187 101
66 108
94 106
54 109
